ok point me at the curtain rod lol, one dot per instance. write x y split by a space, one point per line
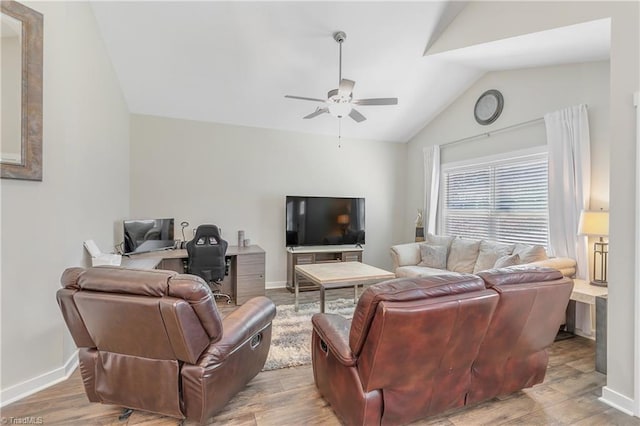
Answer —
487 134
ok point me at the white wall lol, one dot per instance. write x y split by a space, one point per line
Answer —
85 189
238 177
485 21
528 94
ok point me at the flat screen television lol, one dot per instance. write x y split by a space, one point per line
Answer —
317 221
143 235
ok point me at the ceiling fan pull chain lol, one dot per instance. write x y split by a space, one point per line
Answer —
339 132
340 65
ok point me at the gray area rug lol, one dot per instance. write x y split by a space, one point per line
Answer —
291 332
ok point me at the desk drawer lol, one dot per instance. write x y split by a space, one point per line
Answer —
250 264
250 277
249 287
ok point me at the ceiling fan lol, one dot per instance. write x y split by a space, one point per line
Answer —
340 102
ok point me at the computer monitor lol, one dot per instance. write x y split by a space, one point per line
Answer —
143 235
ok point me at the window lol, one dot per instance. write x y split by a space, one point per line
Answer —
505 200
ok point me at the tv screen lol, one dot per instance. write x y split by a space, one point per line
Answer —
145 235
315 221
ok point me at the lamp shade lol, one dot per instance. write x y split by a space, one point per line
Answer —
594 223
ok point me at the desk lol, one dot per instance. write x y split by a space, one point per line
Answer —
246 274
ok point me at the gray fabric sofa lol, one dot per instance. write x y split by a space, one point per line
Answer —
453 255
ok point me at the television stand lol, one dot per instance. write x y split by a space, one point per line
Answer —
317 254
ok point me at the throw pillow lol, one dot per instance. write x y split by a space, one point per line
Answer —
439 240
529 253
433 256
490 251
508 260
463 255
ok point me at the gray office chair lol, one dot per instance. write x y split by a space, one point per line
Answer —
207 258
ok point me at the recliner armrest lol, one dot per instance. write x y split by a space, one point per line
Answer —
334 331
238 327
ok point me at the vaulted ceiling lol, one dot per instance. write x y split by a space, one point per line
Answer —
233 62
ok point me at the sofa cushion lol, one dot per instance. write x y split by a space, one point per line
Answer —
508 260
420 271
433 256
463 255
489 252
439 240
529 253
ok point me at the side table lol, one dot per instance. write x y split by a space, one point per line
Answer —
583 292
601 334
594 296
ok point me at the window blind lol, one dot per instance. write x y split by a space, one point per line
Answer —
505 201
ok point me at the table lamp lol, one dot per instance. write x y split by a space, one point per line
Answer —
596 223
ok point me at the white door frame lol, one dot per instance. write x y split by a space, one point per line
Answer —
636 366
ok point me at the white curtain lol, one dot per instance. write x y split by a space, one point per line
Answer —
431 186
569 182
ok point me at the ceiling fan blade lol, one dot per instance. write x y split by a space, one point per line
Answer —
304 99
376 101
357 116
346 86
317 112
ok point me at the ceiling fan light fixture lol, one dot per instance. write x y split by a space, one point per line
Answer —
340 109
340 101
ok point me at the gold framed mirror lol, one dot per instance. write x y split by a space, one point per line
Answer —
21 92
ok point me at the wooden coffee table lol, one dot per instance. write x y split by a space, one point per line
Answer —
339 275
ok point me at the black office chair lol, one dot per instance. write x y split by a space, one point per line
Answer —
207 257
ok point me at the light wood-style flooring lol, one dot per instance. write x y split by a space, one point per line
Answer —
569 396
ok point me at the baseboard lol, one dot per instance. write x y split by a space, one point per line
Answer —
617 401
275 284
29 387
580 333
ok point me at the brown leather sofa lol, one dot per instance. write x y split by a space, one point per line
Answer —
417 347
154 340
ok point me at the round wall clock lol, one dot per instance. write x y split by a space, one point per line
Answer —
488 107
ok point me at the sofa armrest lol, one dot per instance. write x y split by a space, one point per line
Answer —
565 265
238 327
334 331
405 254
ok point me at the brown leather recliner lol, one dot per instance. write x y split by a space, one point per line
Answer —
513 354
417 347
154 340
